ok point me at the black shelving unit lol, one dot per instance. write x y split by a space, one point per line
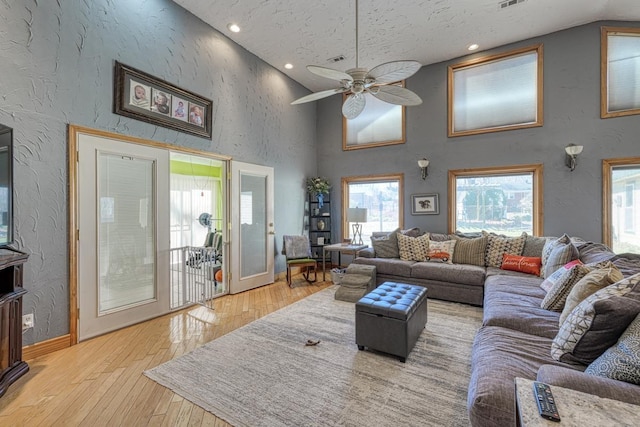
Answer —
319 220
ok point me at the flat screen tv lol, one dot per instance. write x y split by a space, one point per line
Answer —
6 186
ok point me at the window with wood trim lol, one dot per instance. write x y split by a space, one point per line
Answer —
504 200
496 93
381 195
619 72
621 204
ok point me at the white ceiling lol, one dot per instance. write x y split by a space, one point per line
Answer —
310 32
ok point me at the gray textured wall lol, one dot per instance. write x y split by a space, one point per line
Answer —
57 68
572 200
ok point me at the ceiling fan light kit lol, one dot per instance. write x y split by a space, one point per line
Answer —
379 82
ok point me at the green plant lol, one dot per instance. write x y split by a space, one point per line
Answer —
318 185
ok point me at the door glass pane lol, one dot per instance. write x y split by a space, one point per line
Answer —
253 224
501 204
625 209
126 232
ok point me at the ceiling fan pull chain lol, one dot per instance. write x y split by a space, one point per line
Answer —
357 55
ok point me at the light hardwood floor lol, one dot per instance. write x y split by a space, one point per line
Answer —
100 382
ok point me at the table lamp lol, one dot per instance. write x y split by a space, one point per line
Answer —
357 215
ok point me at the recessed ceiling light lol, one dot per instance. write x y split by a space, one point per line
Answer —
473 46
288 66
233 28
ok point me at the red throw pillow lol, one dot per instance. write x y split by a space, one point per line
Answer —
523 264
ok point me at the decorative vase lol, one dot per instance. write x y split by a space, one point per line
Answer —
321 224
320 198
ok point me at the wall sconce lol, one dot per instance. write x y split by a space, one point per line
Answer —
357 215
571 158
424 164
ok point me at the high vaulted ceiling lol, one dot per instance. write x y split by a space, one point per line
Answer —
310 32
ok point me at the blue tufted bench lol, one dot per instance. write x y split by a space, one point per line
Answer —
391 318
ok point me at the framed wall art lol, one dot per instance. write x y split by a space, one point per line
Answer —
143 97
425 204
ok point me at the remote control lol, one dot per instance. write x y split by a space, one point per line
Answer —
546 403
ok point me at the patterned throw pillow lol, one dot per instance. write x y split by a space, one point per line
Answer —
621 362
607 274
386 246
523 264
413 248
498 245
441 251
597 322
557 253
550 281
470 251
557 295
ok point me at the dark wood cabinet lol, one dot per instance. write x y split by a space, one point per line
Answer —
12 366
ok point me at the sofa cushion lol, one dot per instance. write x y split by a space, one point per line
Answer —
413 248
533 246
627 263
597 322
441 252
391 266
557 295
592 253
523 264
470 251
557 253
454 273
440 237
499 245
499 355
386 246
514 303
591 283
622 361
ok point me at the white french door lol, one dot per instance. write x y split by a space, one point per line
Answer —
252 228
123 244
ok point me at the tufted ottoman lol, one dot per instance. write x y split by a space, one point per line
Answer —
391 318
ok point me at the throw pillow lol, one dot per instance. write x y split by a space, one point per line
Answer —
386 246
413 248
550 281
621 362
470 251
441 251
557 295
597 322
627 263
588 285
557 253
499 245
523 264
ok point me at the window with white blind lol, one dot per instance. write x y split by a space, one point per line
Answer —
495 93
620 72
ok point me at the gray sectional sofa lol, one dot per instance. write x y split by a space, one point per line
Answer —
516 337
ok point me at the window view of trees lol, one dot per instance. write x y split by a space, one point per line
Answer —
381 197
625 209
498 203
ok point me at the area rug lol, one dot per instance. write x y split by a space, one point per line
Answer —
263 374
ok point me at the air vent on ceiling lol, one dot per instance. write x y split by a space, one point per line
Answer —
507 3
336 59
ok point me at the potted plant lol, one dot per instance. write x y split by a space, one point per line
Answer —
318 187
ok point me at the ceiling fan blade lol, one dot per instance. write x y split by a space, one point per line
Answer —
353 106
318 95
395 95
390 72
329 73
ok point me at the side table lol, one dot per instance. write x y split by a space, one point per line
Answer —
575 408
341 249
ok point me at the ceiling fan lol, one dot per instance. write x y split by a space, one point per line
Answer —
358 81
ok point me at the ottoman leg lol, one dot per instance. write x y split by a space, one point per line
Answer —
360 347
